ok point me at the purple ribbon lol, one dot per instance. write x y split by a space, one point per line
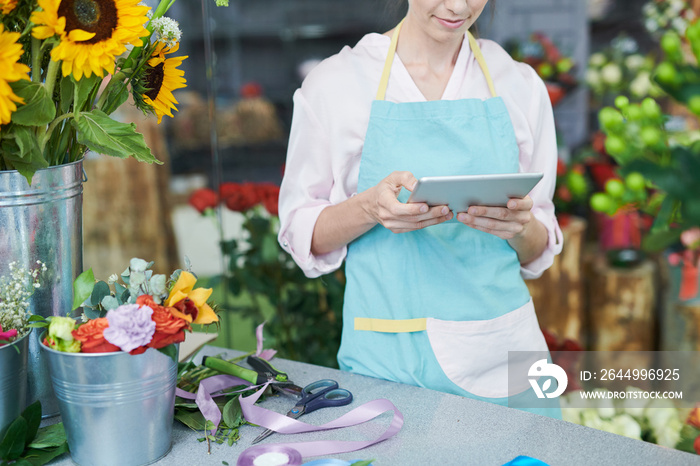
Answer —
264 354
286 425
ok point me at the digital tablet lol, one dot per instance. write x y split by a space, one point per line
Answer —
460 192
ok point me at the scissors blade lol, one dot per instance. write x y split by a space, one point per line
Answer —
293 413
264 435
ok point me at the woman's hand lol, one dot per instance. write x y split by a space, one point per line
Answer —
514 223
504 222
385 208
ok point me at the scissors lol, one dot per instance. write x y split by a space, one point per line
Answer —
320 394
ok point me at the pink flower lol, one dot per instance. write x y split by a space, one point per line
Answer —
7 335
691 238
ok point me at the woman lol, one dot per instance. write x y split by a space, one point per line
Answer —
432 299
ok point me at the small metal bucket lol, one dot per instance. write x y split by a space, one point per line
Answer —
13 381
44 222
117 408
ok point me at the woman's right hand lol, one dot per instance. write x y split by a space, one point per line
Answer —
384 207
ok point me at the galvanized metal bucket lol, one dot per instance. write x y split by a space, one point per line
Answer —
117 408
44 222
13 381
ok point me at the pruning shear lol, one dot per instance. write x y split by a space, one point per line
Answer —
320 394
261 373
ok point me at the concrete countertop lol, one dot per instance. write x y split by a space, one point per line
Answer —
439 429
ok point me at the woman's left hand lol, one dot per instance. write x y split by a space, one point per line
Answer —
505 222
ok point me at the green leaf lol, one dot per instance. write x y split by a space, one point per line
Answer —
192 419
49 437
362 463
12 444
20 150
232 414
84 89
103 135
41 457
170 351
99 292
32 414
82 288
66 89
38 109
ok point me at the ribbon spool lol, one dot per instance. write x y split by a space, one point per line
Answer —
270 455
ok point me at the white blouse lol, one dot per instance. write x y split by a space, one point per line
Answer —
331 114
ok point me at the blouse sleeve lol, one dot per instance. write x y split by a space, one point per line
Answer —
306 190
539 154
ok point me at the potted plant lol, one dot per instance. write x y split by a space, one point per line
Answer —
65 67
15 327
114 371
660 165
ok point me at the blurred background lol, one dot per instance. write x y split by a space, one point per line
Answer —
616 286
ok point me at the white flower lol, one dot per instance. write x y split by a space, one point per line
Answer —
606 409
633 406
611 74
634 61
641 85
114 278
668 434
624 424
597 59
167 30
592 77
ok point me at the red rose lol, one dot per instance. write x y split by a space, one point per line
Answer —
169 329
251 90
90 335
269 196
203 199
239 197
696 444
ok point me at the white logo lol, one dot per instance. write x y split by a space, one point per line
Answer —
542 368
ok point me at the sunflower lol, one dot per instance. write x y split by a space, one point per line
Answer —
161 78
6 6
10 71
91 32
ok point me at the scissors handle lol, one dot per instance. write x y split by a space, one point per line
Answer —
328 398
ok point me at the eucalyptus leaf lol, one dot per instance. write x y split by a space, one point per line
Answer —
38 109
100 133
12 444
138 265
100 291
82 288
91 313
109 302
119 289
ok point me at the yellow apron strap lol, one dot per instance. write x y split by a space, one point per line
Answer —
384 81
482 63
390 325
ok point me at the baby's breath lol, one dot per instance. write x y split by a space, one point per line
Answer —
15 292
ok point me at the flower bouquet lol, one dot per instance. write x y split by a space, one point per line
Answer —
117 367
15 326
67 65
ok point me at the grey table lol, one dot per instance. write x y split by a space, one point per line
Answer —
439 429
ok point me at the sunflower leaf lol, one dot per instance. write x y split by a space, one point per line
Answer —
83 90
20 151
38 109
103 135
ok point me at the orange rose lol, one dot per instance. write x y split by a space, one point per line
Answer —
169 329
90 335
694 417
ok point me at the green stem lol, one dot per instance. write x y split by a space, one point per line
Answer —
116 79
52 126
36 60
51 76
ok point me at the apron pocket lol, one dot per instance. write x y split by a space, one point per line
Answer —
474 354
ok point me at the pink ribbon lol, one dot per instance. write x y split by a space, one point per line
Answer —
265 354
286 425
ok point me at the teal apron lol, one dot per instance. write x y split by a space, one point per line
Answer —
439 307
